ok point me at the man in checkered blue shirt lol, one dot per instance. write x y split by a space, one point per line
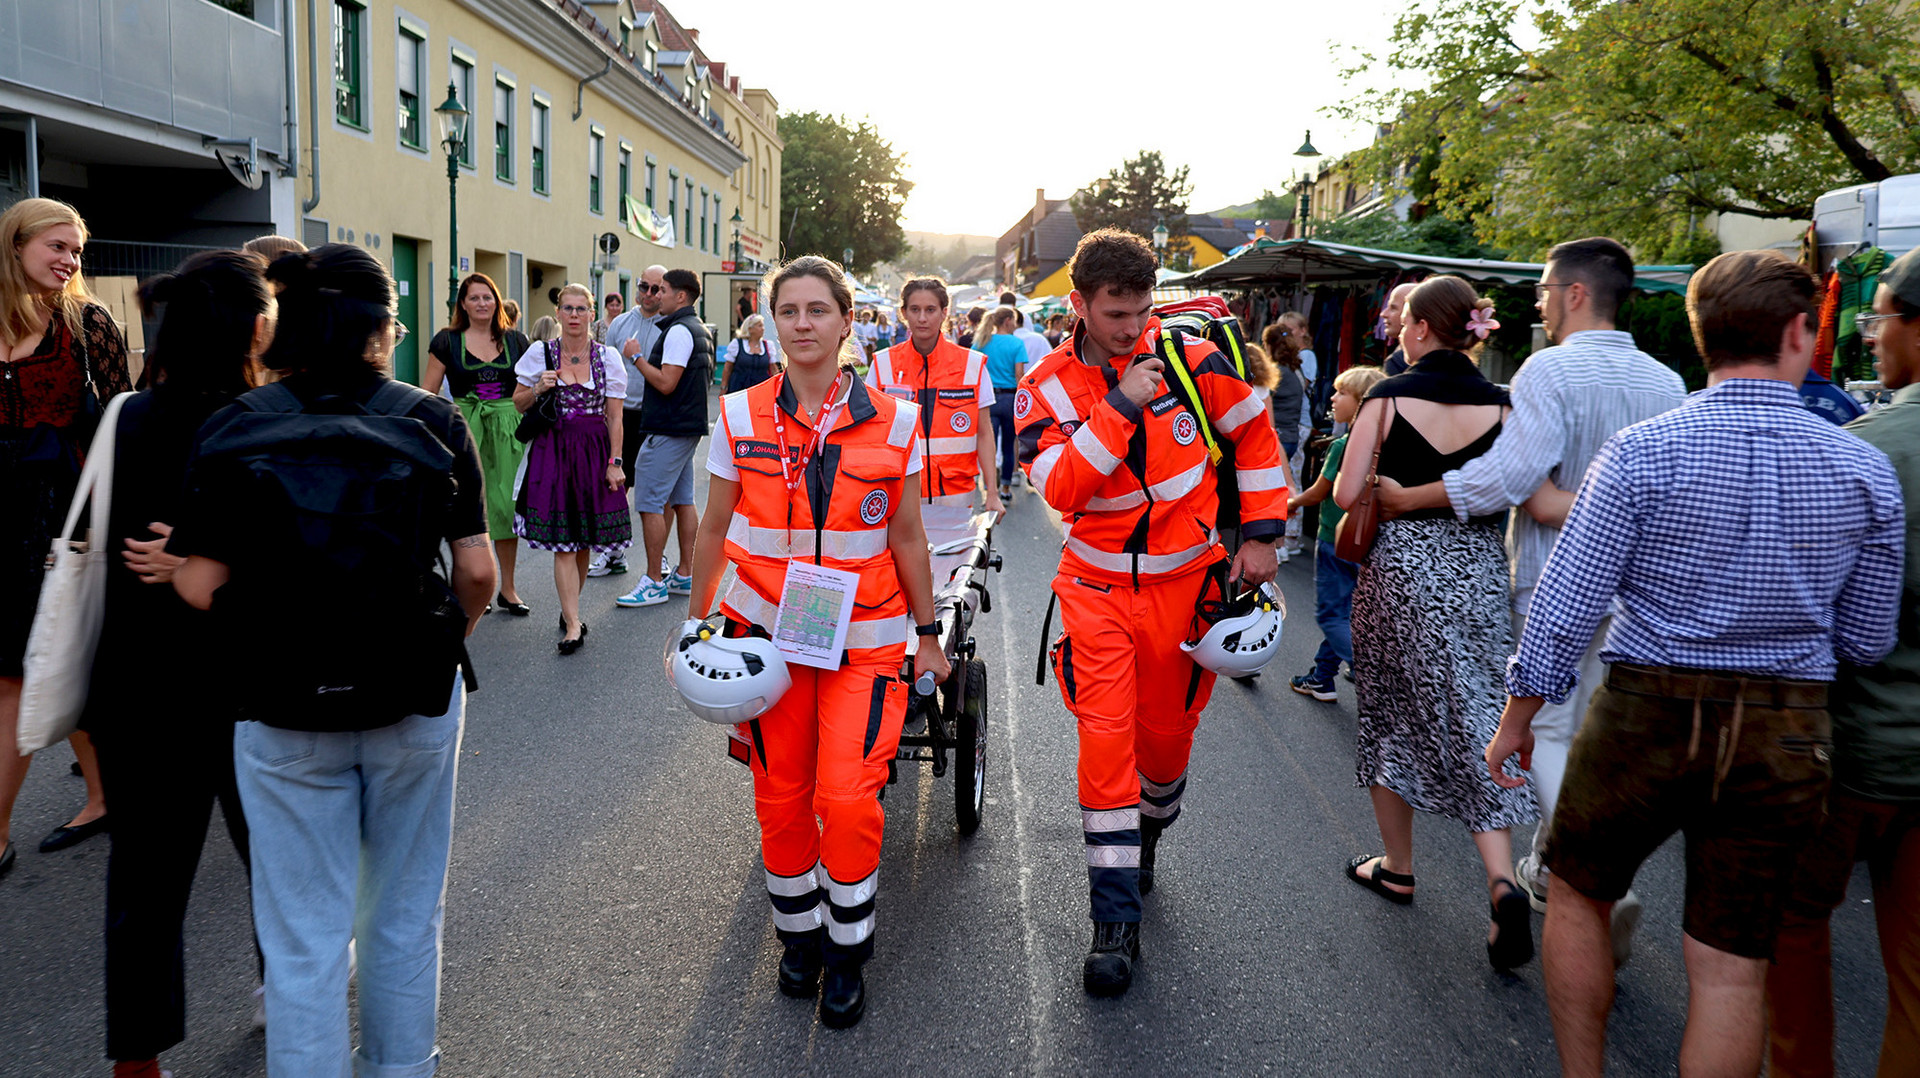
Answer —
1741 544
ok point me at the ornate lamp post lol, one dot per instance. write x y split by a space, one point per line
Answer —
736 221
1311 155
453 138
1160 235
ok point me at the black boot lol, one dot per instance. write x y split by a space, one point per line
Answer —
843 995
1150 829
1109 967
800 965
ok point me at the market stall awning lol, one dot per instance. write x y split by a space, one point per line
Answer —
1313 262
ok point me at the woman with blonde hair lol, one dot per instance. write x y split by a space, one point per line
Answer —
750 358
545 328
64 358
570 500
1430 623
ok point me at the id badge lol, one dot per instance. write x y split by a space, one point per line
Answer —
816 605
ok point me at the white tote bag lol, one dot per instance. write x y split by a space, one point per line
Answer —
73 600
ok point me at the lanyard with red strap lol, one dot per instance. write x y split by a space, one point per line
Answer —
829 411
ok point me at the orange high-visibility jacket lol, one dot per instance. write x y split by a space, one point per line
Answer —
1134 484
838 515
951 386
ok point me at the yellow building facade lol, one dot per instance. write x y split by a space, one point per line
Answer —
571 108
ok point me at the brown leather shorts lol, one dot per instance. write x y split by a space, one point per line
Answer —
1738 764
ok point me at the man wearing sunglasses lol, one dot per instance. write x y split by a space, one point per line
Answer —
632 335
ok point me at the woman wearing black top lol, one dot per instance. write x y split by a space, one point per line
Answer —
750 358
1431 628
475 355
165 756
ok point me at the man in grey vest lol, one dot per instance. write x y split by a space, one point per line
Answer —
673 418
632 335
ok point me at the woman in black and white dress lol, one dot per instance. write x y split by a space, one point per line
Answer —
1431 629
750 359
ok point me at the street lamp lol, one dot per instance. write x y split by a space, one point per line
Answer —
736 221
1307 151
1160 235
846 259
453 138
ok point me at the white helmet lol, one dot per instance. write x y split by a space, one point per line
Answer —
725 680
1244 637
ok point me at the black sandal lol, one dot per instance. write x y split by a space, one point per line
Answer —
1377 880
1513 918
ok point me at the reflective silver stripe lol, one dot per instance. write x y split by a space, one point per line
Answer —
799 922
941 447
739 414
874 633
1132 499
1096 454
1238 415
1113 857
1123 563
1120 819
906 422
1154 789
1261 478
949 499
1042 467
780 543
1058 400
848 935
847 895
1179 486
1159 812
882 373
976 365
794 886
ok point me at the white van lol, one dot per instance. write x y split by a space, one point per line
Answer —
1884 215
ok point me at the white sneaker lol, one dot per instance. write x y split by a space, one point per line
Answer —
1626 918
598 566
1280 554
646 593
1532 877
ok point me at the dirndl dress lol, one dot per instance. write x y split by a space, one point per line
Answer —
564 503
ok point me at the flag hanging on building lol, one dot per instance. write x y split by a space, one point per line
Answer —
644 222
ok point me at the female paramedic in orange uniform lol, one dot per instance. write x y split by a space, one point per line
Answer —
790 489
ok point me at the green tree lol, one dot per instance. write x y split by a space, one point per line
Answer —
1136 196
1556 118
1433 234
1272 207
842 186
955 257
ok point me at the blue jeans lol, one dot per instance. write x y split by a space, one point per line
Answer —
1005 432
1333 580
351 834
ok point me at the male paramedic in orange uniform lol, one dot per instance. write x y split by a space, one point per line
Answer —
1111 441
951 386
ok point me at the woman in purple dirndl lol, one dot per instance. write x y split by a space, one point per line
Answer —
571 499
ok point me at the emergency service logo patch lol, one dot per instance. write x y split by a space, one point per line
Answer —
1184 428
1067 428
1022 404
961 422
873 508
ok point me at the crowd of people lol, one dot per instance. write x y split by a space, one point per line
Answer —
1693 624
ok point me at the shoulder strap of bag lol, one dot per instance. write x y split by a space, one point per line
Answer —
95 486
1379 438
392 398
1176 354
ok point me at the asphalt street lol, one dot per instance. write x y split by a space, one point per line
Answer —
606 913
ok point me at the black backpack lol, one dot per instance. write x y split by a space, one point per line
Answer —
344 504
1195 319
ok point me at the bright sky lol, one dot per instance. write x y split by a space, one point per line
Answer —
1084 96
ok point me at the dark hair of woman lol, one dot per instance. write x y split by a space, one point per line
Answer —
460 319
207 309
333 300
1445 303
1281 345
812 266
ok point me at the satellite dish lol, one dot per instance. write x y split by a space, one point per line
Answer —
241 159
609 243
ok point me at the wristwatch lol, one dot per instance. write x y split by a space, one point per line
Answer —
929 629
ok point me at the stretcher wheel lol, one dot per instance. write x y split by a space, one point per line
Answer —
970 749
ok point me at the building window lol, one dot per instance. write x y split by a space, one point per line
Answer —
716 225
349 105
538 137
687 227
626 182
652 61
596 165
626 36
503 130
766 192
410 54
462 71
650 171
673 198
703 218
